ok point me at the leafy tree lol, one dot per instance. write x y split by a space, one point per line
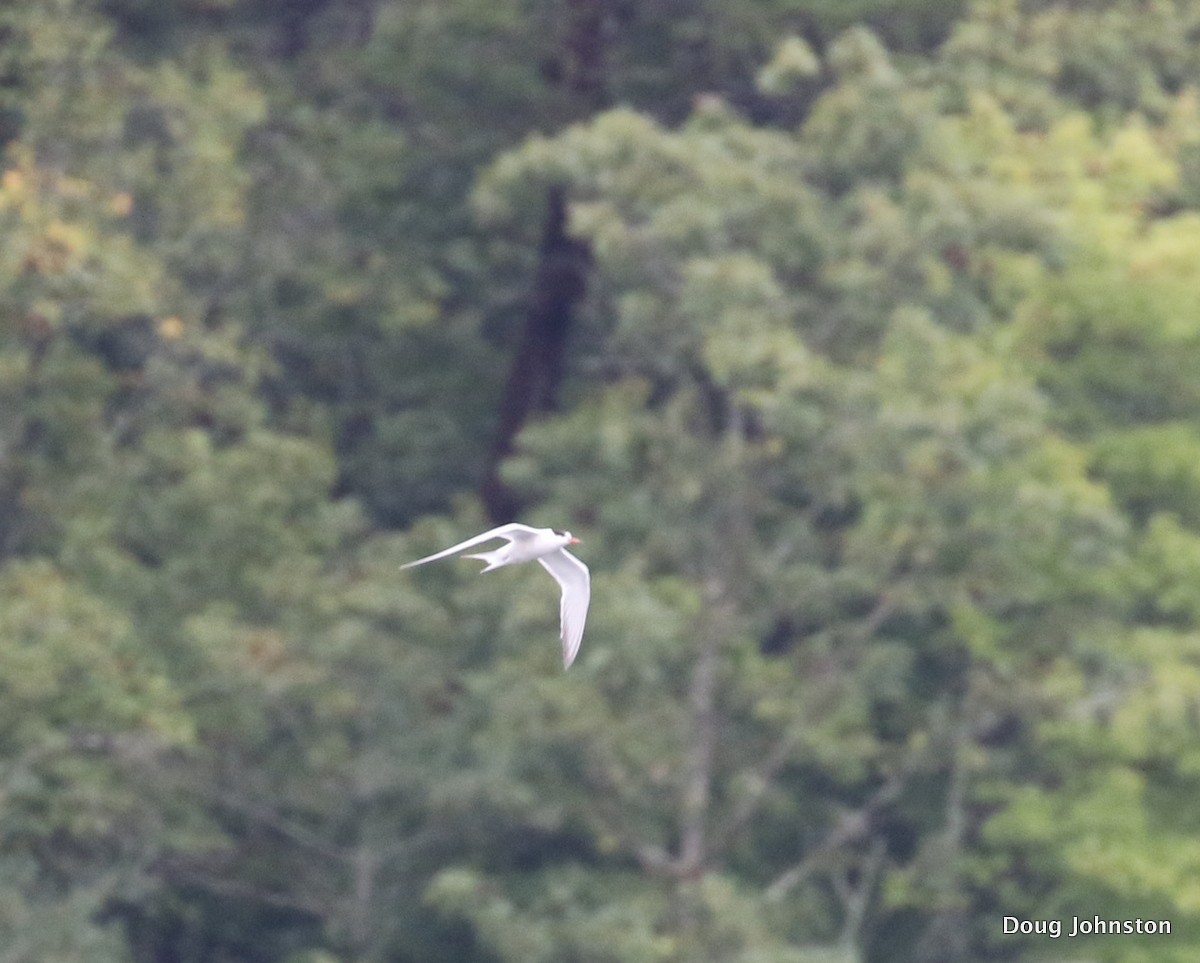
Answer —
865 369
809 554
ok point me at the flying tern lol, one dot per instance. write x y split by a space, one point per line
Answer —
549 548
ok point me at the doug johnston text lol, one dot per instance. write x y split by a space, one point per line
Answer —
1082 926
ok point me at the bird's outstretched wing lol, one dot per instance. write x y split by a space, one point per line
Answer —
512 531
576 583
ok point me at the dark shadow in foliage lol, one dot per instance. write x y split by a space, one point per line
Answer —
193 924
536 370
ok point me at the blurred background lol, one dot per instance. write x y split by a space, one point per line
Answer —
859 341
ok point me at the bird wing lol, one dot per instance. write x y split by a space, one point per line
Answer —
576 583
512 531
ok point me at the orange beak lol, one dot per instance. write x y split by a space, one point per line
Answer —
573 541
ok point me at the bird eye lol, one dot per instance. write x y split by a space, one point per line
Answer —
557 532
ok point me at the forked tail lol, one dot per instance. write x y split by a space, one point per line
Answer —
494 559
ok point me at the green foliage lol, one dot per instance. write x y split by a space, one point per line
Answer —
920 520
878 423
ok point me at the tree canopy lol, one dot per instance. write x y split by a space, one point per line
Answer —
860 344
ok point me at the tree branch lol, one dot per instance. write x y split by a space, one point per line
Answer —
537 365
187 873
852 827
693 850
760 782
272 821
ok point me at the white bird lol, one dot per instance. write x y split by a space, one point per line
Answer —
549 547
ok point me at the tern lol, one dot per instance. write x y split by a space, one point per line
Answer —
549 548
